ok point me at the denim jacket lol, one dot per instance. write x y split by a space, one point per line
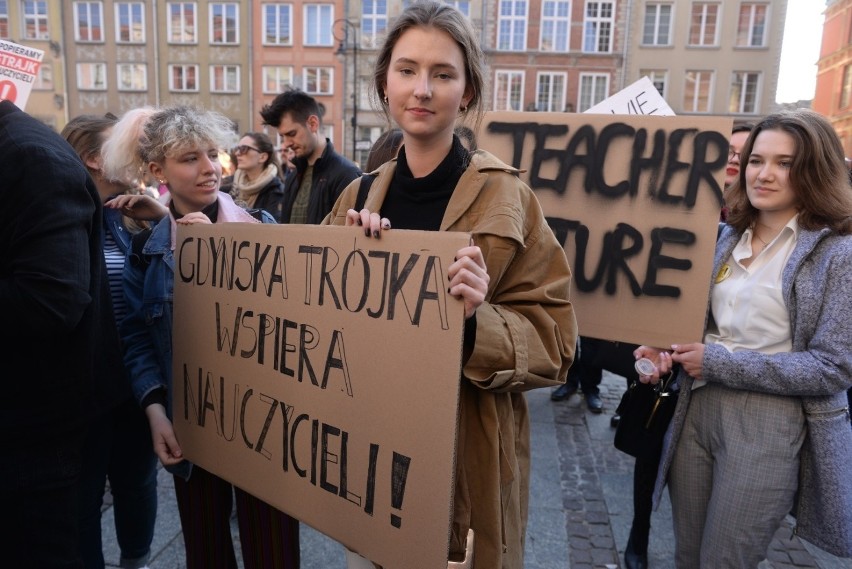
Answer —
114 224
146 331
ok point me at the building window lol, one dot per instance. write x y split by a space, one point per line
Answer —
132 77
318 20
181 24
91 76
277 78
463 6
35 21
555 25
224 78
318 80
130 22
659 77
88 19
846 88
44 79
512 25
509 91
597 26
594 88
224 23
550 92
658 25
751 30
278 24
745 87
4 19
697 90
183 78
374 21
703 26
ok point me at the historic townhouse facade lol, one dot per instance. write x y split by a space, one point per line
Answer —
834 76
553 55
706 57
39 25
709 57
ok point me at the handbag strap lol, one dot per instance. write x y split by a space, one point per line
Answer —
363 191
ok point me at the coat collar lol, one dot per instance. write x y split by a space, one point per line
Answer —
806 241
302 163
473 180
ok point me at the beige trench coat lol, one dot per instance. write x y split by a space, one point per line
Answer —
525 338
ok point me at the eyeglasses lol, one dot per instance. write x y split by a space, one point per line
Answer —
244 148
732 153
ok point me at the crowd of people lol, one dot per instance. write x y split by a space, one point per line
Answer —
86 278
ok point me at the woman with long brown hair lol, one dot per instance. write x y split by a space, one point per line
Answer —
762 422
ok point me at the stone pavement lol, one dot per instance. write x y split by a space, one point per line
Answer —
580 503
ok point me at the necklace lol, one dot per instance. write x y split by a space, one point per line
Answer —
759 239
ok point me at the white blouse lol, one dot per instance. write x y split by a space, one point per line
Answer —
747 303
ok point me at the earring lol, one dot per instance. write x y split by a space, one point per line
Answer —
385 99
463 108
162 182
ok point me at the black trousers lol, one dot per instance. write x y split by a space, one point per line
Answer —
39 489
617 357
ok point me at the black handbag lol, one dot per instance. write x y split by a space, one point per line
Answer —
646 411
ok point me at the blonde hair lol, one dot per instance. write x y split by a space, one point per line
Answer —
148 135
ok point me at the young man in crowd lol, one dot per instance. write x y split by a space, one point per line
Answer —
321 173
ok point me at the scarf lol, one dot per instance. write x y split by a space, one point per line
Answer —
248 191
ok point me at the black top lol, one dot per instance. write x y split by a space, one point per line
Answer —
211 211
420 203
332 173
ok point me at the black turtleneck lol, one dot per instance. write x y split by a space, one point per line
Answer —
211 211
420 203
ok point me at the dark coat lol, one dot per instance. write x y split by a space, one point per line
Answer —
58 341
272 199
332 173
525 338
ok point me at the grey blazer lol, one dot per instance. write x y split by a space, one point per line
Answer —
817 289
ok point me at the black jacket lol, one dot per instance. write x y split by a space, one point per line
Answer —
272 199
332 173
59 347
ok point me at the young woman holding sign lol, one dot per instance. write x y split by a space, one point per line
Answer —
180 146
520 331
762 413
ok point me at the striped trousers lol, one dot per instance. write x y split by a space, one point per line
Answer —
269 539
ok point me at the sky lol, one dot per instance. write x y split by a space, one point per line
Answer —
800 50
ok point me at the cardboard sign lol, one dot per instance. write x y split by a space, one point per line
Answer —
318 369
640 98
635 202
19 66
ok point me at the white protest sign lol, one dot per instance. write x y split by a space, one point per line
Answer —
18 70
640 98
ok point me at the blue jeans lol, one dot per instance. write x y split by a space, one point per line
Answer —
38 501
118 447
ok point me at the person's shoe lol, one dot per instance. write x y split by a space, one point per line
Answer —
594 403
563 392
614 420
633 560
